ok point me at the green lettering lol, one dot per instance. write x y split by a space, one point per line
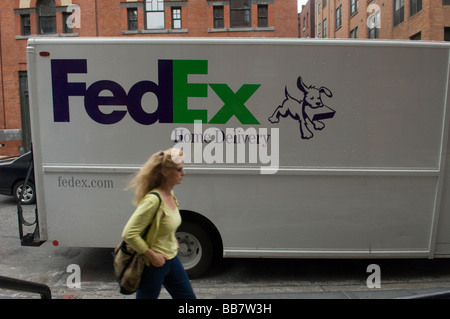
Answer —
182 90
234 103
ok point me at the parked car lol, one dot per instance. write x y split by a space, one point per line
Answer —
12 176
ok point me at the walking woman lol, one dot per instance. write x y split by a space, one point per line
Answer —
160 174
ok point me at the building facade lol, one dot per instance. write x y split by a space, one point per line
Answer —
307 21
383 19
20 19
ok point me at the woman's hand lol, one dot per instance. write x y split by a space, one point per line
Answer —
156 259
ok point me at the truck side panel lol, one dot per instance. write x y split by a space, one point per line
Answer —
354 132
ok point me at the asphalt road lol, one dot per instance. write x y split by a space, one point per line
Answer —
229 279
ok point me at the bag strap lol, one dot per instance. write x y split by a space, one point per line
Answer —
159 205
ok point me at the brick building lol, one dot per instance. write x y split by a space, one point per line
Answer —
307 21
383 19
20 19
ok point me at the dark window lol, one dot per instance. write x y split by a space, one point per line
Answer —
218 17
399 11
26 27
353 7
66 16
374 33
46 16
263 12
415 6
447 34
339 17
374 23
132 19
417 36
240 13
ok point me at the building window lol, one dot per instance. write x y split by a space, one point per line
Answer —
154 14
176 18
354 33
66 16
263 12
339 17
46 10
132 16
417 36
324 28
446 33
240 13
25 22
374 23
399 11
218 17
374 33
415 6
353 7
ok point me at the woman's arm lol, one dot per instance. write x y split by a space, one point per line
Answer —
138 223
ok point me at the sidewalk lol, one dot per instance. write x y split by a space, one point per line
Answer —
99 290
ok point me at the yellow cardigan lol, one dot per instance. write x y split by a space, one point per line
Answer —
157 238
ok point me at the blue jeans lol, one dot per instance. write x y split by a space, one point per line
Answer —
171 275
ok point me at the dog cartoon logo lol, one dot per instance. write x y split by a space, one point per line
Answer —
309 111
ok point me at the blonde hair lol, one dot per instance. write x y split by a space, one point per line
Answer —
150 175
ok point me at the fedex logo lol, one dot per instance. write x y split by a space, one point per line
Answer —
172 91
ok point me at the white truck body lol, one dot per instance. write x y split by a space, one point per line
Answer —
366 175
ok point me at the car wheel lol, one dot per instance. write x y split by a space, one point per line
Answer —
196 250
29 196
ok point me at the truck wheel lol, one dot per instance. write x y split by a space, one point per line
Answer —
196 249
29 196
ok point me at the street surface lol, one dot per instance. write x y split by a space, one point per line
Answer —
230 279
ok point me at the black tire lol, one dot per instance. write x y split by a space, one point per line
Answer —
29 197
196 250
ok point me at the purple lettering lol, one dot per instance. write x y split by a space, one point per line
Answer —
62 89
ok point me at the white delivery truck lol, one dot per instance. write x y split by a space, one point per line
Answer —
293 148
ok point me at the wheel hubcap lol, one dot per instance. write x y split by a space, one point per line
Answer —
27 194
190 251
